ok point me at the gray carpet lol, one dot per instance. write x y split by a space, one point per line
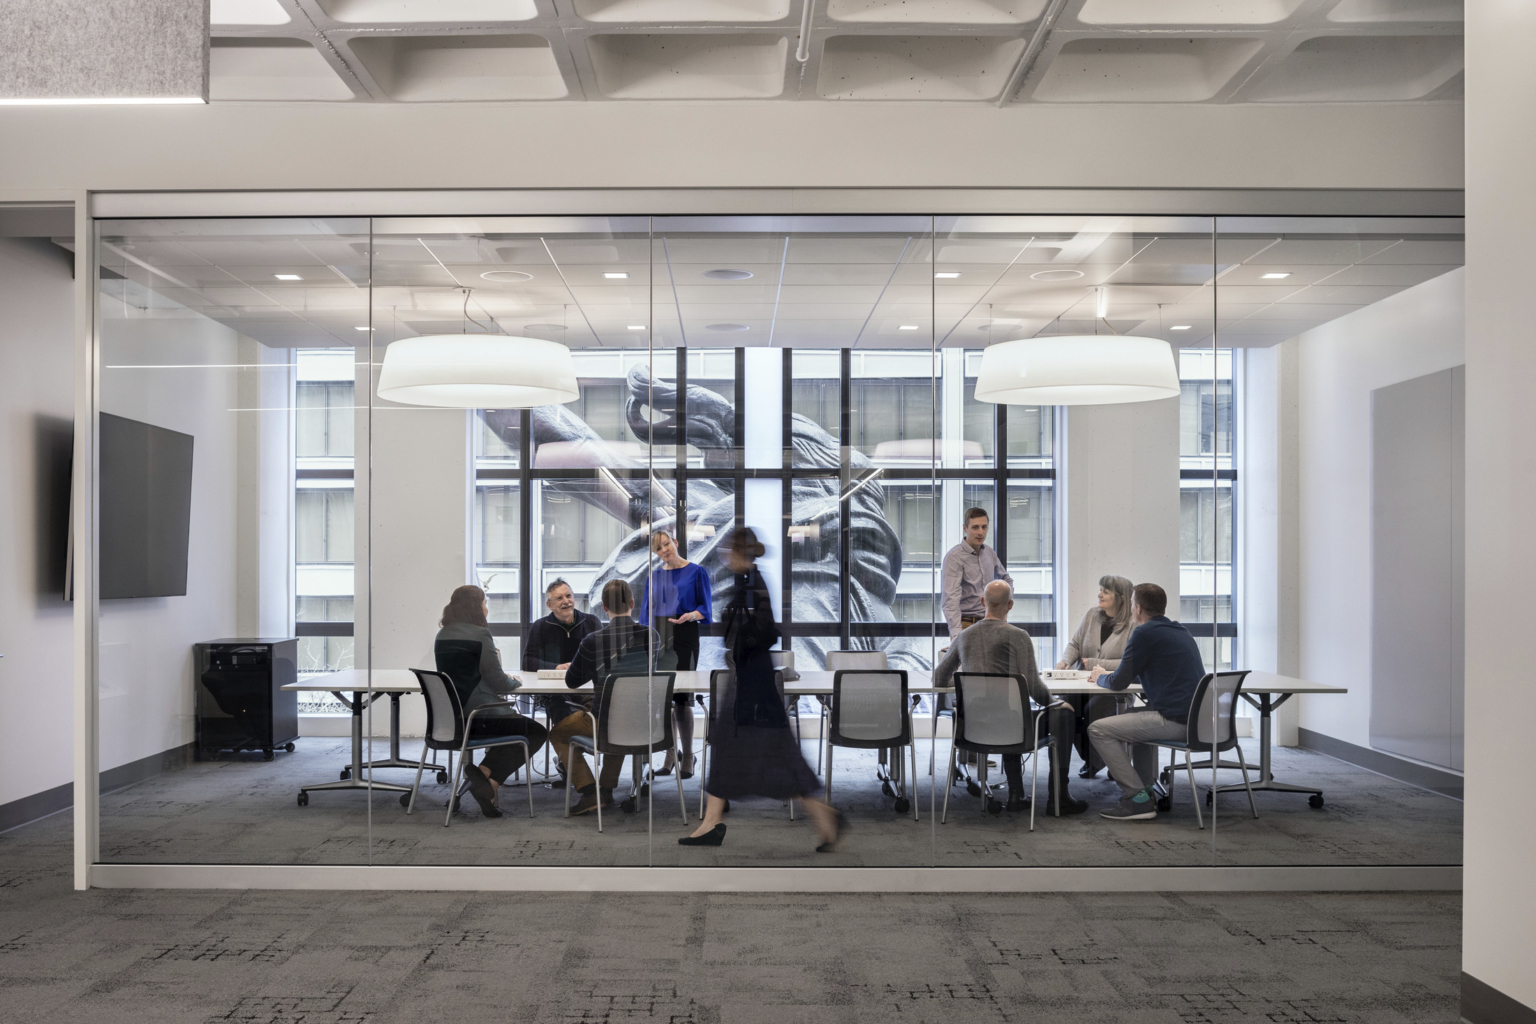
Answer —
198 957
244 811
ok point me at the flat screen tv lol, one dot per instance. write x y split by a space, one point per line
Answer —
146 508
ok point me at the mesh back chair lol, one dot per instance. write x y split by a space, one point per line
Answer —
870 711
1212 730
994 715
448 729
722 681
837 661
634 718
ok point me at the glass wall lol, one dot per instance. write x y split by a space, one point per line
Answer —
813 379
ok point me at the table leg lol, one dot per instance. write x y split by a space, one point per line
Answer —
1266 703
394 760
360 700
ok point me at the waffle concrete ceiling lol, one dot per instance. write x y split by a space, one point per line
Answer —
979 51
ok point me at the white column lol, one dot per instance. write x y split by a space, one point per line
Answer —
1499 900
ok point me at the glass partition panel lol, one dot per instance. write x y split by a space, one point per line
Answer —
227 442
1338 342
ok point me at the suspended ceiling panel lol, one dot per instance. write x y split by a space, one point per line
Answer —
958 51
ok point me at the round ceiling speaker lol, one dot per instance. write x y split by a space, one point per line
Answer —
728 275
1056 275
506 275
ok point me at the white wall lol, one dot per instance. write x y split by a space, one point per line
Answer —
36 416
146 643
1499 898
1122 493
1412 333
713 144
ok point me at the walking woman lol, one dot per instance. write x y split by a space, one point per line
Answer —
674 600
754 752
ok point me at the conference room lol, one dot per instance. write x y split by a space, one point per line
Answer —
314 432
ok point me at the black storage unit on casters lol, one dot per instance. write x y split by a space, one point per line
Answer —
241 703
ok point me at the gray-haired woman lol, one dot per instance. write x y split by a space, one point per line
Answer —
1099 640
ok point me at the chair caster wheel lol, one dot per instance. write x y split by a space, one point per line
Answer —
346 773
288 747
405 799
442 778
994 806
1164 805
903 805
1209 798
887 788
973 787
629 806
303 799
1315 801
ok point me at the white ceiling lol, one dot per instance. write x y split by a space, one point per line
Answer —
989 51
817 282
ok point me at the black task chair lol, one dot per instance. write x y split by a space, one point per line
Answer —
448 729
634 718
1212 730
994 715
865 660
870 712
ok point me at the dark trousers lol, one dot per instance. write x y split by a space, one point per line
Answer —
1090 708
501 762
1055 736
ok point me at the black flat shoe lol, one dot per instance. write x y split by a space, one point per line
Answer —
830 846
480 788
1068 806
714 837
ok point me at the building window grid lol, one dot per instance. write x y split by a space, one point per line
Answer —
1208 502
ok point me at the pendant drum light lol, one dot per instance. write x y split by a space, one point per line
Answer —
1077 369
478 371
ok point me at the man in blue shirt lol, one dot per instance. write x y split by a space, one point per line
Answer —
1164 659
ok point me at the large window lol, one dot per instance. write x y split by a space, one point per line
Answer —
1207 492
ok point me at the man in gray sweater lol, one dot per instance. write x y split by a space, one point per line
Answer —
992 645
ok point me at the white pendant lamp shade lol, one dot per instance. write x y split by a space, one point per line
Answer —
1077 369
478 371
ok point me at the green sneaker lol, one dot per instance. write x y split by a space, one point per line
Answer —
1141 807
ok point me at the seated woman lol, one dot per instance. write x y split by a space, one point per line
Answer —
1099 642
466 653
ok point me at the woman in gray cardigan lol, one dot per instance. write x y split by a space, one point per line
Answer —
466 653
1100 640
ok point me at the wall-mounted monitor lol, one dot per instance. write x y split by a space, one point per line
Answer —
146 508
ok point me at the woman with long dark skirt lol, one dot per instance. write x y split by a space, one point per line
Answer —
675 600
753 751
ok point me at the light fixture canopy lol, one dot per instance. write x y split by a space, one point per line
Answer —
1077 369
478 371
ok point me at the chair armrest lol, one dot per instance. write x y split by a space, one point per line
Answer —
486 707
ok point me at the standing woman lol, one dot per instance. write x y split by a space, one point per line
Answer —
1099 641
755 754
675 600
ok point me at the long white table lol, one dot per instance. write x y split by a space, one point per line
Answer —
1264 690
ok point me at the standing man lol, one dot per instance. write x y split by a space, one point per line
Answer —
968 568
1163 657
553 640
996 646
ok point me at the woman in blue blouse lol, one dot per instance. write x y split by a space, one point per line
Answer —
675 600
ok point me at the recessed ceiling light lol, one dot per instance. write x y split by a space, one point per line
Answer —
288 277
616 277
362 328
727 327
728 275
506 275
543 327
1179 327
1275 276
1056 275
907 327
946 273
637 327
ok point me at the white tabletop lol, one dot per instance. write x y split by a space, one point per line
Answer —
812 683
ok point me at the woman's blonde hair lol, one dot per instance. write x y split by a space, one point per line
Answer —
656 536
1121 588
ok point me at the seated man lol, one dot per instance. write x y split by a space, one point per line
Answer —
623 645
1164 659
553 640
992 645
